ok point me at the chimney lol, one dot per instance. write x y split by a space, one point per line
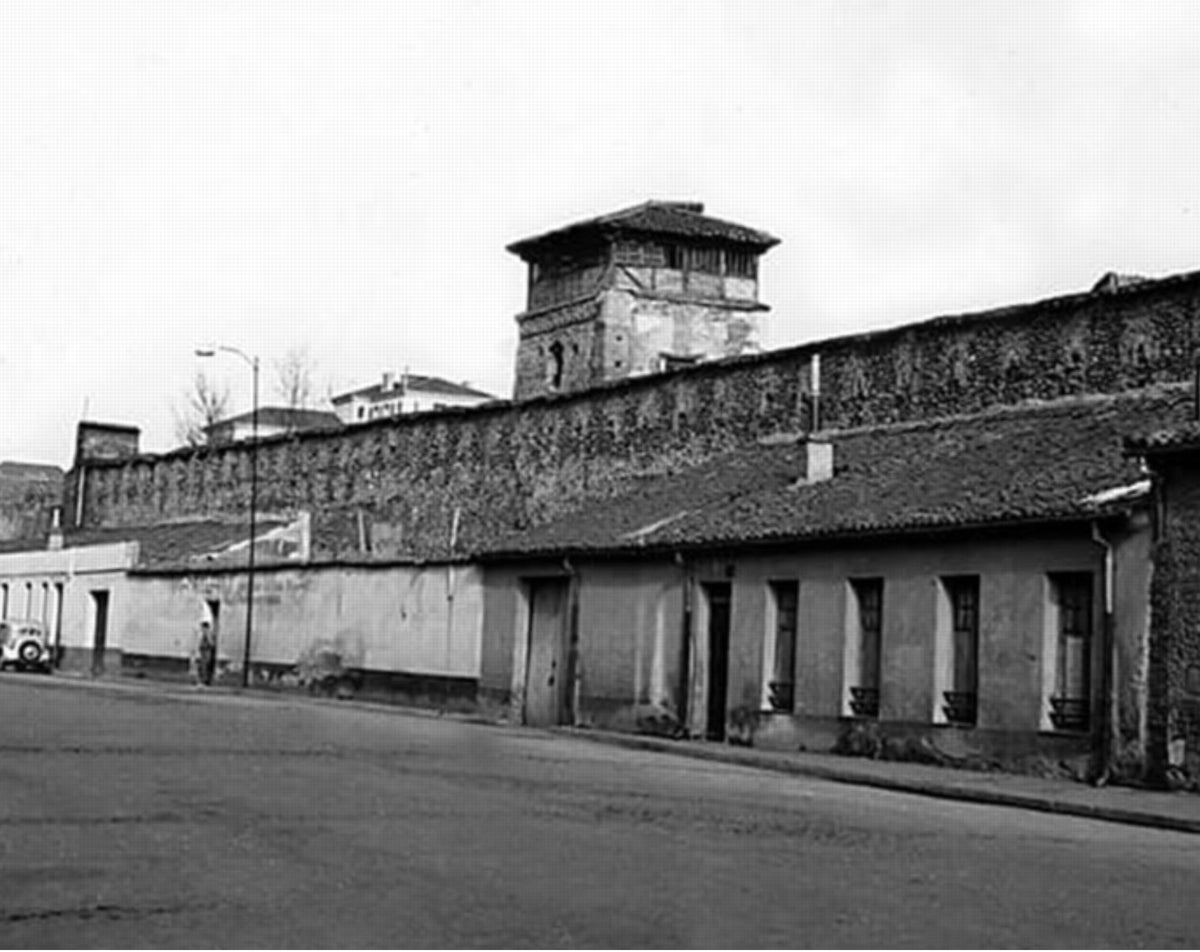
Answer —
818 459
54 542
818 455
389 381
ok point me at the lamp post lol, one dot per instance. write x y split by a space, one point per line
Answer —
211 351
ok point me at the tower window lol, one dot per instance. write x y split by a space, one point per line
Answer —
740 264
554 366
707 260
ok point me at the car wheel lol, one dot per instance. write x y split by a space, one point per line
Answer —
30 653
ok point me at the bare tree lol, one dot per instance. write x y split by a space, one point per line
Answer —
294 379
206 404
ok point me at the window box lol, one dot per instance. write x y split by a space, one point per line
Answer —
782 695
1069 713
864 702
960 707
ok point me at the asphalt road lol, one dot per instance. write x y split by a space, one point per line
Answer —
138 818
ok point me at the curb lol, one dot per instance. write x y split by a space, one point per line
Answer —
925 788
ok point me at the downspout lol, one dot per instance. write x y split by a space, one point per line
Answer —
1103 752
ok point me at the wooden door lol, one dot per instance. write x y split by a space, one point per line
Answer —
546 679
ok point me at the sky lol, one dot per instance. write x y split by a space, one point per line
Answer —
344 176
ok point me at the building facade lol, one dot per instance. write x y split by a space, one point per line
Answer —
975 590
272 421
408 393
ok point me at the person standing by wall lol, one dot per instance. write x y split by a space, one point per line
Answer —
206 653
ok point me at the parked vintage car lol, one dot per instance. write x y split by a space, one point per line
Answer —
24 645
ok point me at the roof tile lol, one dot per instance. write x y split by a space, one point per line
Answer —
683 219
1034 463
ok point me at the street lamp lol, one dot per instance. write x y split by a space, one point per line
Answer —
210 350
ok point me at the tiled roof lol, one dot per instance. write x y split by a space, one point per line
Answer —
164 544
173 542
413 382
297 419
684 219
1184 437
1047 462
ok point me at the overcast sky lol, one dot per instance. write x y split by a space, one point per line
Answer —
345 176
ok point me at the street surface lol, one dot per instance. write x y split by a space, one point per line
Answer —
132 817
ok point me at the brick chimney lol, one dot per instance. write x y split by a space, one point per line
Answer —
389 381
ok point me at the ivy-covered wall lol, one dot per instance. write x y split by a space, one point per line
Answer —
413 485
1173 718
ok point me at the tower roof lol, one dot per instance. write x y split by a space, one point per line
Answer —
680 219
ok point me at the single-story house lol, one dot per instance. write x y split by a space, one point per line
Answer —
131 600
972 589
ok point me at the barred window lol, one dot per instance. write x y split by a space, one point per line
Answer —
1070 703
781 685
864 683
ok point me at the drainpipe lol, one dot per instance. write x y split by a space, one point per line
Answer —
1102 766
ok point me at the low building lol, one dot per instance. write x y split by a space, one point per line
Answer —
407 393
130 601
272 421
969 590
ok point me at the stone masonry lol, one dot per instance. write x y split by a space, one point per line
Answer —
409 480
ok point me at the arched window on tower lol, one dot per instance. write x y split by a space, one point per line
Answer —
554 366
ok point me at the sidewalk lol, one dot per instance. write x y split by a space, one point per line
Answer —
1163 810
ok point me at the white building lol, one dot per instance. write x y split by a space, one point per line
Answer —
408 393
272 421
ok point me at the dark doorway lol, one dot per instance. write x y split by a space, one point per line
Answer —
214 615
717 595
59 592
100 632
547 677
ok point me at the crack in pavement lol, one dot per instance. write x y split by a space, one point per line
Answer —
102 910
95 820
129 750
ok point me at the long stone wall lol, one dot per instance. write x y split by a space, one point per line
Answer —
412 485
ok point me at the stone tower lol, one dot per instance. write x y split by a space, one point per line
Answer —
645 289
